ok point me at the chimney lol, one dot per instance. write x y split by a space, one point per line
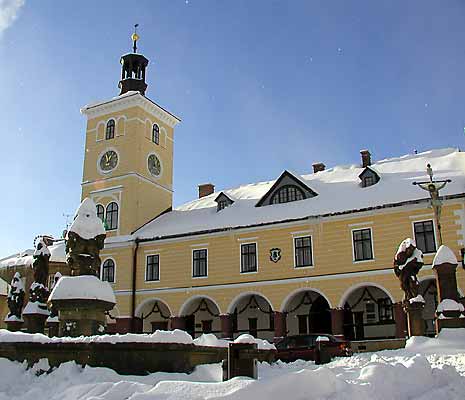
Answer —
366 158
205 189
317 167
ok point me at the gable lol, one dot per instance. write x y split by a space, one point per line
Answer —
293 185
223 201
368 177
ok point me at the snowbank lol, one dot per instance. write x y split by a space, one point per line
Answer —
450 305
85 287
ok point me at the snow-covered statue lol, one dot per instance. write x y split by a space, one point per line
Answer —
84 240
407 263
16 297
53 310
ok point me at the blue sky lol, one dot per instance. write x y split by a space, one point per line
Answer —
261 86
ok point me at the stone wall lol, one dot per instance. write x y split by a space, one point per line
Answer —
124 358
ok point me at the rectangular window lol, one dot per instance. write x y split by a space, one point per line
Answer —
363 249
424 236
253 326
152 272
370 309
303 251
199 263
385 309
249 257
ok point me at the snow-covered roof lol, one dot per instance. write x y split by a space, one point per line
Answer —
57 251
338 189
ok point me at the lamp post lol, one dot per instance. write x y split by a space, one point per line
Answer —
433 187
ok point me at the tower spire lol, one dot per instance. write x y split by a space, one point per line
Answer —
133 67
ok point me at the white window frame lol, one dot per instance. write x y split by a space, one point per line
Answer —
119 216
434 232
146 265
311 249
353 247
114 272
192 263
240 258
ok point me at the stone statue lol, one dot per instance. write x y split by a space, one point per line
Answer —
16 297
407 263
84 240
40 262
53 310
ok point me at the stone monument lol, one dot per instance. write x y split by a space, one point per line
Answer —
82 299
35 313
450 313
16 294
407 263
52 321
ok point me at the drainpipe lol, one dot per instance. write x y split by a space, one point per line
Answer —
133 294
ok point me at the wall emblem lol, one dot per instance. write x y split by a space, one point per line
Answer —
275 255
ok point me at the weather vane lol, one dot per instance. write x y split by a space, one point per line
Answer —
135 38
433 187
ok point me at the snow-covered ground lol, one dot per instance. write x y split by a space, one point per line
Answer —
426 369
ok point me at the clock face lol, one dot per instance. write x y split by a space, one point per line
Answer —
108 161
154 165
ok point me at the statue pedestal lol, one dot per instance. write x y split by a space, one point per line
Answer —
415 322
35 323
79 317
14 325
449 319
52 325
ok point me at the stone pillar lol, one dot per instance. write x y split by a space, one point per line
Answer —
35 323
14 325
337 322
450 312
53 328
280 328
178 323
415 321
226 326
400 319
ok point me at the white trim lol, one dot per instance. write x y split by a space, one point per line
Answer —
155 251
182 309
427 216
300 290
108 257
192 263
307 279
414 221
302 233
372 245
199 245
117 133
240 258
110 189
137 175
236 300
100 170
139 308
311 249
119 216
248 238
126 101
361 223
146 265
356 286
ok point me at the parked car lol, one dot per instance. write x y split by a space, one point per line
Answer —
302 347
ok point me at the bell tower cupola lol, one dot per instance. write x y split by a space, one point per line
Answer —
133 67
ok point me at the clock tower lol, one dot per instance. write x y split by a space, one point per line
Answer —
128 159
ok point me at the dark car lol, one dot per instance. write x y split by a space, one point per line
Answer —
302 347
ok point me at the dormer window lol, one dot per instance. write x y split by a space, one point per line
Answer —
368 177
223 201
287 188
287 194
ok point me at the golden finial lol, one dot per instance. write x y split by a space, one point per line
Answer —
135 37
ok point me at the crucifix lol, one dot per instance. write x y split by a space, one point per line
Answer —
433 187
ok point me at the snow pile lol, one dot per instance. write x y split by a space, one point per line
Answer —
450 305
417 299
210 340
261 344
84 287
444 255
86 223
416 255
428 369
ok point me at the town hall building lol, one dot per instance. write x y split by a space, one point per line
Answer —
298 254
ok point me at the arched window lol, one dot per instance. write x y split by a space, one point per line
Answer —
100 212
110 131
287 194
156 134
108 271
112 216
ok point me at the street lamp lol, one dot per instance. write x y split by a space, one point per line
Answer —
433 187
